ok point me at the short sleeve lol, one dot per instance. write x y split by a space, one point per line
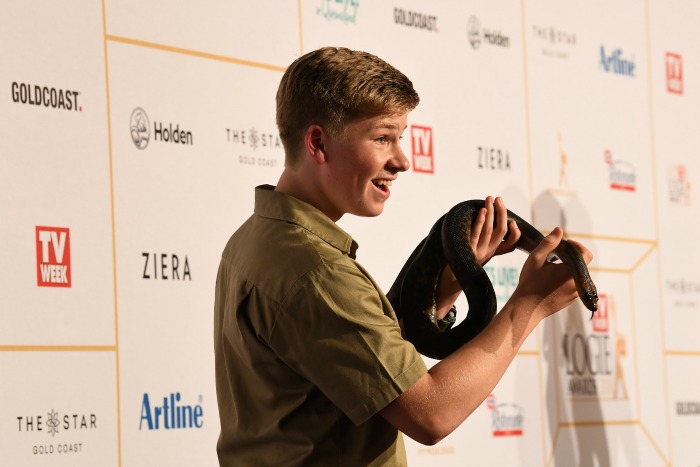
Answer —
339 332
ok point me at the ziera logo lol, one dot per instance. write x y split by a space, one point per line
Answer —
53 267
493 158
674 73
422 148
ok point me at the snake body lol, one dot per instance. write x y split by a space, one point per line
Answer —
413 291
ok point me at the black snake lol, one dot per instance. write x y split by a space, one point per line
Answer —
413 291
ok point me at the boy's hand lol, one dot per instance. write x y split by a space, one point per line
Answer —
486 239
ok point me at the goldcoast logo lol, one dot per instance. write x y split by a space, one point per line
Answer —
140 128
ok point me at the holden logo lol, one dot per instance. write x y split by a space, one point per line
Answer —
140 128
474 32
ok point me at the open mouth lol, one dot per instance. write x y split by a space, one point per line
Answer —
382 184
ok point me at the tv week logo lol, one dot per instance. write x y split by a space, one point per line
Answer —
53 257
422 148
674 73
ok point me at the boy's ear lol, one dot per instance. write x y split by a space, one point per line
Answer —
314 143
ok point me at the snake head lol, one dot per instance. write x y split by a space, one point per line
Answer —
590 299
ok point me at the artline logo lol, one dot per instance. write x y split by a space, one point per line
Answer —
415 20
54 423
674 73
679 185
422 149
46 96
255 139
172 414
493 158
141 133
344 11
161 266
616 64
558 42
623 175
476 35
53 267
506 419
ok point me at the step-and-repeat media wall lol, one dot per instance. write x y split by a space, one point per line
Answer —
133 133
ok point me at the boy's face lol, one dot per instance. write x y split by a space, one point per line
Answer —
362 164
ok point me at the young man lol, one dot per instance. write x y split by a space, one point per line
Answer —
311 366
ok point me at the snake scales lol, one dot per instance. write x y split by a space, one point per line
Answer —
413 291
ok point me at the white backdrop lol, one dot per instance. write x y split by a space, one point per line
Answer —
133 133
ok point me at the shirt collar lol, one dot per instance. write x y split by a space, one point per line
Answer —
276 205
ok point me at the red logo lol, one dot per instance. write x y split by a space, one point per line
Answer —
674 73
422 148
53 257
601 318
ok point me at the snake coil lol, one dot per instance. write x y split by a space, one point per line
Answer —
413 291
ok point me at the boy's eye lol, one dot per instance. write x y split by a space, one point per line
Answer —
381 139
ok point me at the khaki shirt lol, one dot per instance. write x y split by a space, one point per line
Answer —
308 349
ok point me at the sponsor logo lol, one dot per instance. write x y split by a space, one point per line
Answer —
54 424
45 96
422 149
504 280
493 158
344 11
678 185
688 408
623 175
415 20
171 414
674 73
163 266
562 188
593 361
557 42
53 267
254 139
506 419
683 293
616 63
140 129
479 35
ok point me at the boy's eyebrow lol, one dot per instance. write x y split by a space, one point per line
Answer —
387 125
